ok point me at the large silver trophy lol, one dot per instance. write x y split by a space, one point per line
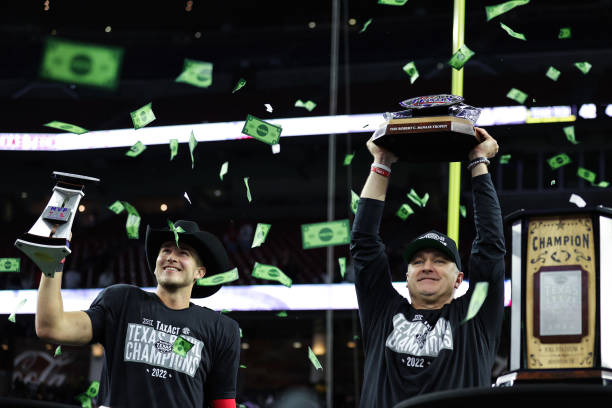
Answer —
47 242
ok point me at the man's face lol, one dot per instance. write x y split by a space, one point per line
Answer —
177 267
432 277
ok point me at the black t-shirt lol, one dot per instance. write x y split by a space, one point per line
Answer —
138 331
410 351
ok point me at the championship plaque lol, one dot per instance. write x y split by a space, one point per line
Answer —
47 242
432 128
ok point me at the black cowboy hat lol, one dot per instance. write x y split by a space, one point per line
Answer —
209 248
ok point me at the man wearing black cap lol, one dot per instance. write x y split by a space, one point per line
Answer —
161 350
422 346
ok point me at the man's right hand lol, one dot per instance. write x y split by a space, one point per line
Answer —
380 154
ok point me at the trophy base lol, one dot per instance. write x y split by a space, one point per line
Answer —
46 253
427 139
584 376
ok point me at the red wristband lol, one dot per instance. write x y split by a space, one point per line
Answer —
380 171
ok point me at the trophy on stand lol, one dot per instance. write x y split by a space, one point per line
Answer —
47 242
432 128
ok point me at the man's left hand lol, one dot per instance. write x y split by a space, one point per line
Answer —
487 147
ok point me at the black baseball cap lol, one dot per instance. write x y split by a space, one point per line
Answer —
433 240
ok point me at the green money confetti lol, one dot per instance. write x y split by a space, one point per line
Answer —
367 23
240 332
517 95
192 145
243 366
116 207
311 355
463 211
67 127
261 232
176 231
576 199
404 211
241 83
356 337
58 351
570 134
174 144
420 201
271 272
92 390
261 130
354 201
220 278
478 297
84 400
602 184
282 314
10 264
80 63
11 318
196 73
132 224
342 263
588 175
141 117
246 183
181 346
411 70
323 234
553 73
558 161
584 67
513 33
223 170
137 149
565 32
348 159
227 311
308 105
505 159
496 10
268 107
392 2
460 57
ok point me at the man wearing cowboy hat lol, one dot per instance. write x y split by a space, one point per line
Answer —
424 345
161 350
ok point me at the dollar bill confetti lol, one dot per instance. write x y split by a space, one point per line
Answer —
281 314
324 234
513 33
187 197
342 263
136 149
84 400
261 130
348 159
392 2
10 264
268 107
67 127
311 355
460 57
261 232
174 144
92 390
196 73
463 211
411 70
58 351
420 201
558 161
505 159
404 211
176 230
141 117
220 278
181 346
271 272
223 170
570 134
602 184
365 26
553 73
517 95
478 297
192 145
354 201
498 9
275 148
576 199
588 175
116 207
584 67
308 105
243 366
83 64
227 311
248 189
241 83
565 32
22 302
132 225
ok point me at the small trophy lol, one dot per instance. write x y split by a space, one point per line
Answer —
433 128
47 242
